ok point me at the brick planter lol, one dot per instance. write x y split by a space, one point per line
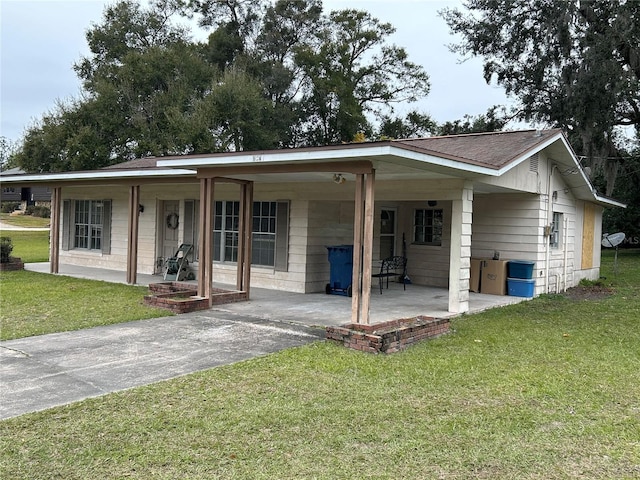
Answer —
12 265
388 337
182 297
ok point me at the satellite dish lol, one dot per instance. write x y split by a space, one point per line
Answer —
613 240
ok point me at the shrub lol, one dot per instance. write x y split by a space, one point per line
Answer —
38 211
6 247
8 207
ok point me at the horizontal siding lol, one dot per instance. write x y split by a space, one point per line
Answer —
330 223
513 225
427 264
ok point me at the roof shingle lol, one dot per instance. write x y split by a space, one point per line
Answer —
493 150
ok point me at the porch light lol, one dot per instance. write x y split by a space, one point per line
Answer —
338 178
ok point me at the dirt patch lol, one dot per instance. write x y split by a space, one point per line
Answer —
588 292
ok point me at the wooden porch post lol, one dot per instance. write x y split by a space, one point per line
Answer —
247 213
208 239
241 238
132 241
356 286
201 240
367 250
362 248
54 234
205 244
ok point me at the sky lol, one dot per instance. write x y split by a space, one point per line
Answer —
41 40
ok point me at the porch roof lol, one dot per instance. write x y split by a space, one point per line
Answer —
471 156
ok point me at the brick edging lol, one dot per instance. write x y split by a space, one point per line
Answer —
12 265
388 337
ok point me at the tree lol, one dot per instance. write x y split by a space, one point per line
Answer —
574 64
627 191
353 72
270 75
239 113
413 125
493 121
8 150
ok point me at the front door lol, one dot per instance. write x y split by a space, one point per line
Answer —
170 223
387 232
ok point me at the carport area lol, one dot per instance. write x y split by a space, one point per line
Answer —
315 309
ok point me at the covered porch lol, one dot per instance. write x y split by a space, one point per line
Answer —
315 309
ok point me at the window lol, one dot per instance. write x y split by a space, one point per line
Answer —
427 226
264 233
87 225
556 227
269 219
225 231
88 221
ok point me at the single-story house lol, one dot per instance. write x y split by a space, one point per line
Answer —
26 196
266 218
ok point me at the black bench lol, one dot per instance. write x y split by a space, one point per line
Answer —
392 267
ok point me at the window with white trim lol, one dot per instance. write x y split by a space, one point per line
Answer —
427 226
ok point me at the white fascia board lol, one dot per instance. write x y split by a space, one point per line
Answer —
610 202
96 175
283 156
328 155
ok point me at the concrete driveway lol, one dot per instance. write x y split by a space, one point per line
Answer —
41 372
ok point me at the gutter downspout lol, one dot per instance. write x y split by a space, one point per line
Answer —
564 261
547 229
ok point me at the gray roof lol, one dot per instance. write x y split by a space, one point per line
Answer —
492 150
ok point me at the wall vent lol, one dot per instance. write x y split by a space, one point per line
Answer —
533 163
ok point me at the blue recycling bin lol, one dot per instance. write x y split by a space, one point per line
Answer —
341 268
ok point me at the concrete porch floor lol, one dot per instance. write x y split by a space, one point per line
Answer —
314 309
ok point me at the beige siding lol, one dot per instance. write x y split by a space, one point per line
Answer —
117 260
428 264
526 177
511 225
514 225
321 215
562 259
329 224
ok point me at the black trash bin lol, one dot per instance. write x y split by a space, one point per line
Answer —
341 268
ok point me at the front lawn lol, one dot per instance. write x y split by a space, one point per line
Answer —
548 389
28 221
37 303
30 246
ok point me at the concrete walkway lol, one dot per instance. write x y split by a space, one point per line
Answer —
45 371
41 372
6 226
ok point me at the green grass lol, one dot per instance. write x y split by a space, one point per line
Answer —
547 389
31 247
37 303
24 220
